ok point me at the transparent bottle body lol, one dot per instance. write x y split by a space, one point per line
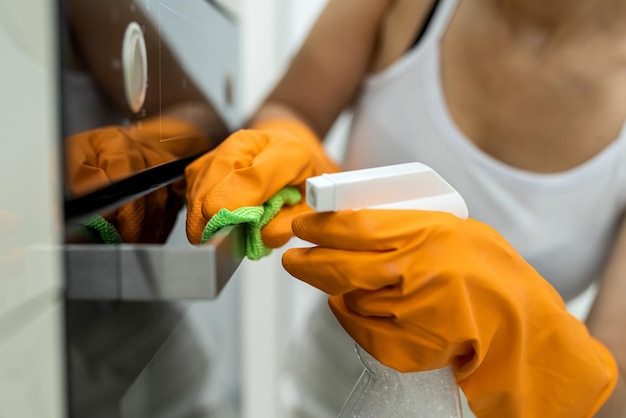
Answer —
382 392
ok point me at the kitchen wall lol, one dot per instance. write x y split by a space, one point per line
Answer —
31 358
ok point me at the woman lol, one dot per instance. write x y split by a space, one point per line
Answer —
520 105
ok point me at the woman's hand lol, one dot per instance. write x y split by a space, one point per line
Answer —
250 167
422 290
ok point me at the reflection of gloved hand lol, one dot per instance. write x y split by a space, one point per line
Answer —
421 290
102 156
249 168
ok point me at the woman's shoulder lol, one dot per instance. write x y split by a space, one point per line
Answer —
349 39
401 26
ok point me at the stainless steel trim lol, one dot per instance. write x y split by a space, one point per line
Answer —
146 272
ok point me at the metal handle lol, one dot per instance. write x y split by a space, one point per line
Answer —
146 272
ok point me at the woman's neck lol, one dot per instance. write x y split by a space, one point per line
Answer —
544 22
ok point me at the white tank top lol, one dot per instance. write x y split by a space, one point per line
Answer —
563 223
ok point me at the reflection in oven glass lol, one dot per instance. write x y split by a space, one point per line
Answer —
138 360
129 103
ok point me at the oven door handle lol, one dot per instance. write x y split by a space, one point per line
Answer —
152 272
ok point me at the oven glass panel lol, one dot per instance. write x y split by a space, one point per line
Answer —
146 87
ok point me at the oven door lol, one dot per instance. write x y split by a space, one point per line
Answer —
147 86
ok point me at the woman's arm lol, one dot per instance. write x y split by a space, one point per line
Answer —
607 321
327 71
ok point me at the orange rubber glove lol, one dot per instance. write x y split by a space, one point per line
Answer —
422 290
250 167
103 156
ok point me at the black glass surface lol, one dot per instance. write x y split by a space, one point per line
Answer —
134 360
122 141
123 163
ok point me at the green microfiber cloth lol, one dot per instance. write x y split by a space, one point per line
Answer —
255 218
107 232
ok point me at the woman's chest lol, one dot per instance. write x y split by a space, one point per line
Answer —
544 108
539 107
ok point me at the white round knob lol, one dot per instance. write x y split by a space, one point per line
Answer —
134 66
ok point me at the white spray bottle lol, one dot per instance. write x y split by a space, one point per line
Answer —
382 392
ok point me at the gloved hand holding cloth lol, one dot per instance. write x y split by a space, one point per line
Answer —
422 290
250 168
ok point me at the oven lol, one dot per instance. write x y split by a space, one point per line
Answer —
147 86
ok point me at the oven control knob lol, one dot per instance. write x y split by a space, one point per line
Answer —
134 67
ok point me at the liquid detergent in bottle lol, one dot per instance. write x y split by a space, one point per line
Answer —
382 392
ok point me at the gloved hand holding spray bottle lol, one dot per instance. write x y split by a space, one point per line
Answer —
381 391
427 291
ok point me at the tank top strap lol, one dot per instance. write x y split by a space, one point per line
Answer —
437 23
425 24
